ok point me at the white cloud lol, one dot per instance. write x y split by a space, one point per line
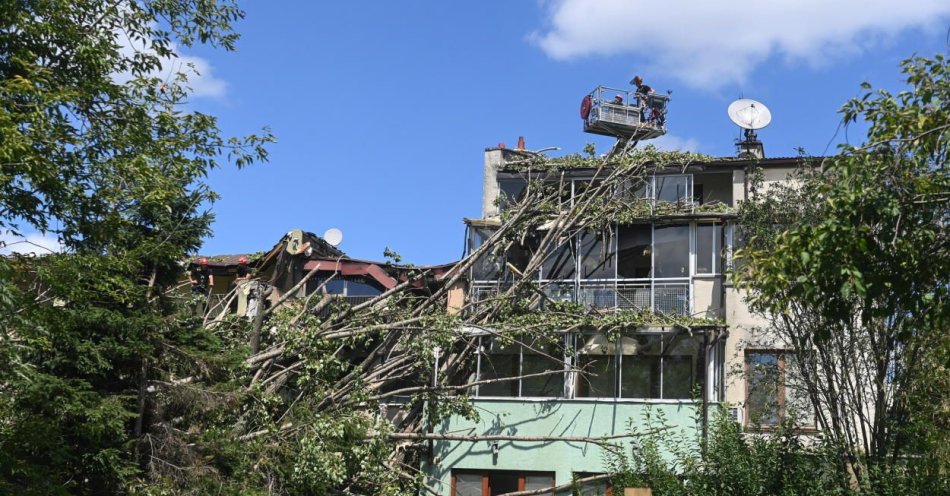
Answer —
198 70
200 77
672 143
713 43
32 243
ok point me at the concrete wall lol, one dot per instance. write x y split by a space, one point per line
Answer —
707 297
490 190
556 417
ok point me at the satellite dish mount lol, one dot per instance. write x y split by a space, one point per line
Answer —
749 115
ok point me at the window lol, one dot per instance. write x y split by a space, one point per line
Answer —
512 191
634 188
671 251
708 248
488 267
765 388
697 194
495 482
355 286
560 263
634 251
499 360
596 256
646 366
773 390
600 486
674 189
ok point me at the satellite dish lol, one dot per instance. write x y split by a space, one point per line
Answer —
333 236
749 114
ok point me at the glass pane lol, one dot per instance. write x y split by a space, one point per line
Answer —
632 189
498 362
314 282
633 251
597 256
538 481
764 388
671 244
597 381
640 367
717 251
468 484
682 367
551 385
704 249
361 287
502 482
512 191
488 266
677 377
672 188
560 263
520 254
335 285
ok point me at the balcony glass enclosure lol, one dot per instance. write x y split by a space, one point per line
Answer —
643 365
661 194
646 267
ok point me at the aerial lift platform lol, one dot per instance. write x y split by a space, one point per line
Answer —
626 115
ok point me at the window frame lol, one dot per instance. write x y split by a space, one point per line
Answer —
698 371
783 355
486 475
718 248
485 350
780 405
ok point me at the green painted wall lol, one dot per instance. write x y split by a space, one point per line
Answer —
557 417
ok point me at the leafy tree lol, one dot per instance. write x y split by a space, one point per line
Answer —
851 265
98 146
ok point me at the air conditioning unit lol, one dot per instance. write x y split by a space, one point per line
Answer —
735 414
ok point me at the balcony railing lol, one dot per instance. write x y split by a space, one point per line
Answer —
660 296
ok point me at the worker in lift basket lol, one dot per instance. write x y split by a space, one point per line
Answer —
643 93
642 89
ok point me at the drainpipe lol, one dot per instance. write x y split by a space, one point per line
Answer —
430 427
706 391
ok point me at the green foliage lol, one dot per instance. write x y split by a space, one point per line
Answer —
99 149
730 462
852 264
649 154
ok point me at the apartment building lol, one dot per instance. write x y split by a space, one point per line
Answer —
673 260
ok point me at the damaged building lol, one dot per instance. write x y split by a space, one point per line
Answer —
593 301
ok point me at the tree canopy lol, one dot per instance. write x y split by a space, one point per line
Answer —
851 263
99 146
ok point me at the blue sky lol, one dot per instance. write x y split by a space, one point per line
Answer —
382 110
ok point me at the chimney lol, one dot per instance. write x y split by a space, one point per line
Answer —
750 147
520 143
494 159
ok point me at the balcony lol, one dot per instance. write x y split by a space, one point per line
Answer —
666 297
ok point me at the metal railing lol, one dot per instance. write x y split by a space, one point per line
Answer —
670 297
483 291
